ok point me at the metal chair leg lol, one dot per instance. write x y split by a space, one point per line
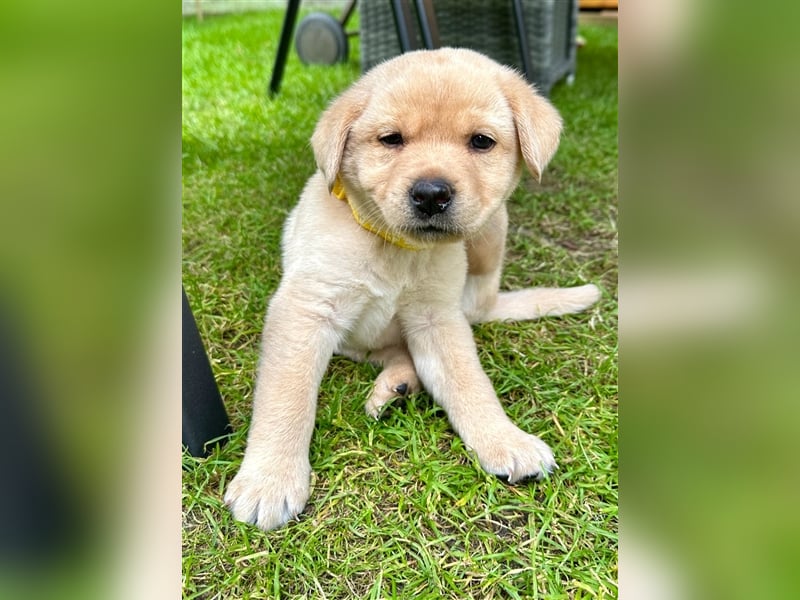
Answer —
289 21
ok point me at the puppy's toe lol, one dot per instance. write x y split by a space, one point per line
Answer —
267 497
391 383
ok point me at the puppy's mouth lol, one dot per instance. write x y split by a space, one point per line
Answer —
434 232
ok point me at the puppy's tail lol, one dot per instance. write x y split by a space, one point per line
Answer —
532 303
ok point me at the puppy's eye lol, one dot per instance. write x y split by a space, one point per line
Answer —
392 140
481 142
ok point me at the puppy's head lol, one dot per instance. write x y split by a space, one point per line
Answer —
429 144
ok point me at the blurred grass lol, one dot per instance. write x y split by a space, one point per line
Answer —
398 507
710 323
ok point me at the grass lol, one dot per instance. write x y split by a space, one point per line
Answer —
399 508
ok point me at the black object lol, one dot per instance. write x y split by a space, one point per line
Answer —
321 40
204 417
41 521
289 19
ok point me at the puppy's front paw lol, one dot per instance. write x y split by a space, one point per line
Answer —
268 497
514 455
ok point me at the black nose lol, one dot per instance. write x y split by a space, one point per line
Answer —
431 197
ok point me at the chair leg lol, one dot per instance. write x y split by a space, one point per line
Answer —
289 21
519 20
428 24
406 31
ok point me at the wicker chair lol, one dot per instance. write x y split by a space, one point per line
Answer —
488 26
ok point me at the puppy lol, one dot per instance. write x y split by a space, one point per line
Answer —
394 248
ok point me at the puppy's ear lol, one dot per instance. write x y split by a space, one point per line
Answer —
330 136
537 121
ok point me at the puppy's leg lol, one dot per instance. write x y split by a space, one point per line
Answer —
485 252
446 361
532 303
272 485
482 301
398 378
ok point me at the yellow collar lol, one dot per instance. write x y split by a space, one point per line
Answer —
399 241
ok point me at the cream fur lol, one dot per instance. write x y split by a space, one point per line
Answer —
346 290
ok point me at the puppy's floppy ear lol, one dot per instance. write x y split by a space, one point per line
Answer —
537 121
330 136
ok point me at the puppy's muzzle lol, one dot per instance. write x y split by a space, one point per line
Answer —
430 197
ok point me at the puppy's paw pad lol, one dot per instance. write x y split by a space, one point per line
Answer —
267 498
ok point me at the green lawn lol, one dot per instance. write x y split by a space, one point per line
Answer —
399 508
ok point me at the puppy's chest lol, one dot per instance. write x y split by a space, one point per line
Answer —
386 283
374 318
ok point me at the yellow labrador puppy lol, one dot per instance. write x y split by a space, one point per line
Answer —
395 246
